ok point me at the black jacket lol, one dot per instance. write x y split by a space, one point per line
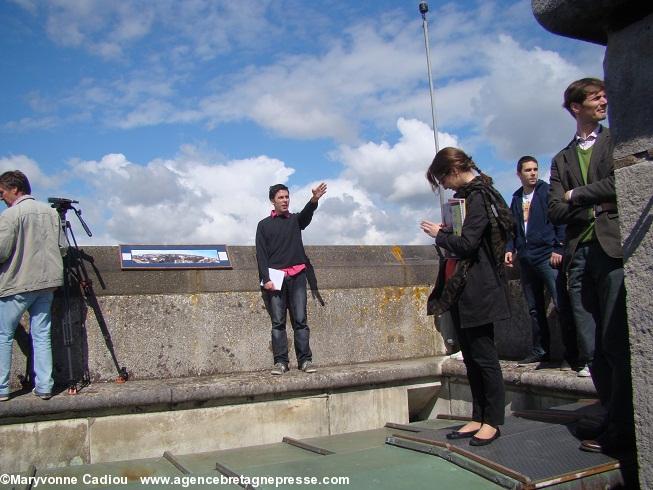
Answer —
484 298
279 241
542 238
565 175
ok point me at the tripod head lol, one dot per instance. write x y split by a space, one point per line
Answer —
62 204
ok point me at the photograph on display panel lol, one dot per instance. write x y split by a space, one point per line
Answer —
174 257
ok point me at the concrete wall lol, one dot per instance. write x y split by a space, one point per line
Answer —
162 324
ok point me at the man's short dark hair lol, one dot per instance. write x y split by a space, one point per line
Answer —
276 188
579 90
523 160
15 178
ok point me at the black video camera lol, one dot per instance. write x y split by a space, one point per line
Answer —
61 203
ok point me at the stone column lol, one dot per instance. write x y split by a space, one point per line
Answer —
626 28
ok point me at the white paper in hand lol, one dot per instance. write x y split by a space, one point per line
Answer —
276 276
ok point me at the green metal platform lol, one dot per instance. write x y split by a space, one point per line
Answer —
402 456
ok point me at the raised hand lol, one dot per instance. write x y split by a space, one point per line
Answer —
318 192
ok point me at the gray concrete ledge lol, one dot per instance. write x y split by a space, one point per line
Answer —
101 399
549 379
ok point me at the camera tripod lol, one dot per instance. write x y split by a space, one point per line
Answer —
75 273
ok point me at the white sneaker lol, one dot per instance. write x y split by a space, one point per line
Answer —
584 372
458 356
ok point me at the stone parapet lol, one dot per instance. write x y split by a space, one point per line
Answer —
162 324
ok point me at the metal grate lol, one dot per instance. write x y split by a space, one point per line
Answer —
533 452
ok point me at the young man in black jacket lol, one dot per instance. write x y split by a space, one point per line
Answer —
538 245
279 247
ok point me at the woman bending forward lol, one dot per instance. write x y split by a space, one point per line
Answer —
476 294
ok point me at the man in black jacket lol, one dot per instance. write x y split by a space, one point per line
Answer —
583 197
538 246
280 250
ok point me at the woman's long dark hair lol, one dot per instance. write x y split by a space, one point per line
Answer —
450 158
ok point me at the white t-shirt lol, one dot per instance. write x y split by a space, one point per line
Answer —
526 201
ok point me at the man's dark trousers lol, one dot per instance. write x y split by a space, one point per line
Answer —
597 293
292 297
534 278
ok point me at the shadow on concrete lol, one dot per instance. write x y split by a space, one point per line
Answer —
70 312
639 230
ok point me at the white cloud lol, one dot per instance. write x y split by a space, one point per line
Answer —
38 180
102 28
519 103
365 75
26 124
199 198
190 198
110 29
362 86
395 173
195 197
329 95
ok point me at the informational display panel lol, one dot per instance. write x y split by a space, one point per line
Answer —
174 257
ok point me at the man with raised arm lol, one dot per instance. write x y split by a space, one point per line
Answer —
280 251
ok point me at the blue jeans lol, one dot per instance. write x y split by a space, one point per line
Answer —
38 304
292 297
534 278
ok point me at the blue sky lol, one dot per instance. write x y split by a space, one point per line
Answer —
168 120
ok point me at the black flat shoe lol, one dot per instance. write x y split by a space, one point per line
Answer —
461 435
484 442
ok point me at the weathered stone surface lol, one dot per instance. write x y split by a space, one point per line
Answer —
363 410
176 323
42 445
636 212
629 85
189 431
169 394
546 378
159 336
588 20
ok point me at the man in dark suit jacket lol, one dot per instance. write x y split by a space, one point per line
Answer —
583 197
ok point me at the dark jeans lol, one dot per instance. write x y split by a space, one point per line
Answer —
292 297
483 371
534 278
598 300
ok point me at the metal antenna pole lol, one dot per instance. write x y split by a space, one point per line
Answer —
423 9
